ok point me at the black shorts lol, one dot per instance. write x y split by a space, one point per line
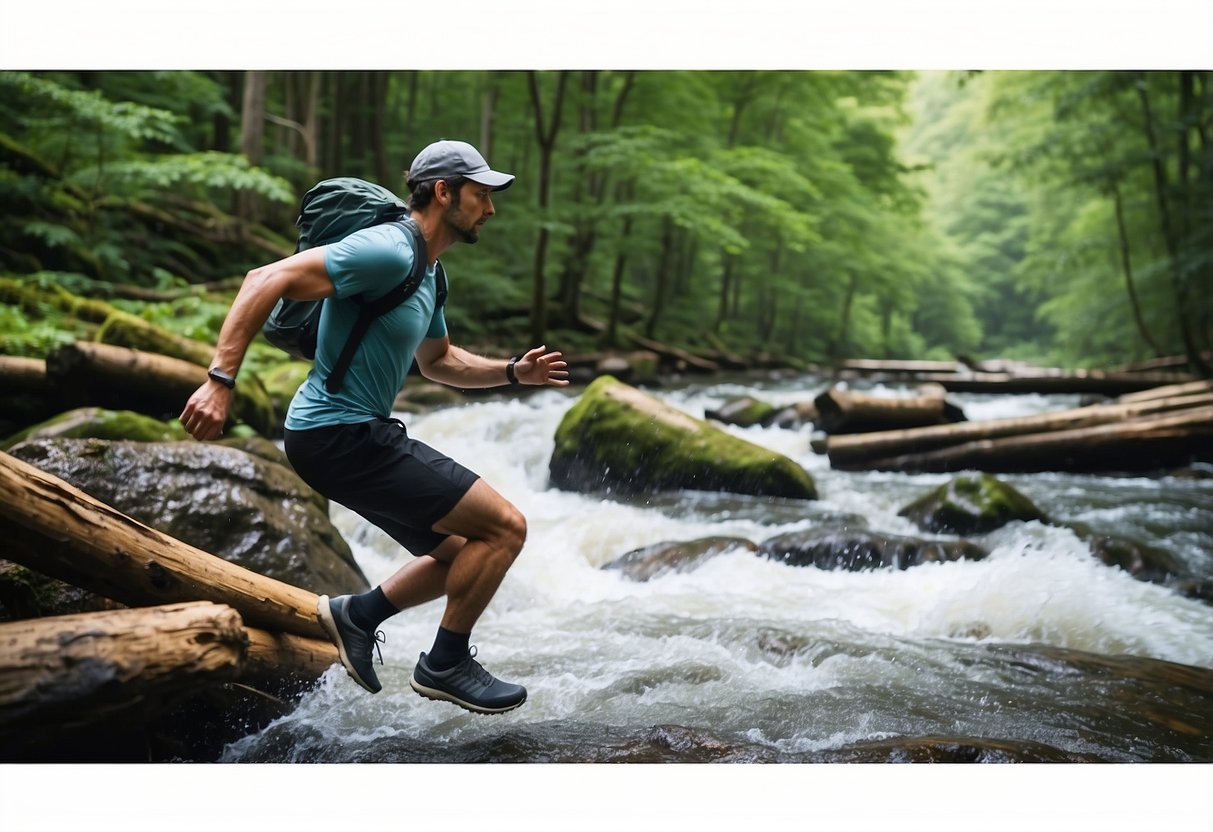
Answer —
373 468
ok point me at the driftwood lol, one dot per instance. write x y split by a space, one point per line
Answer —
1143 443
76 667
844 411
58 530
860 451
895 367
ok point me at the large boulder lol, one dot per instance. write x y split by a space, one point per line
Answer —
744 412
971 505
237 505
858 551
618 438
99 423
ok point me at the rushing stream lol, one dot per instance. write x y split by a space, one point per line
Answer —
746 658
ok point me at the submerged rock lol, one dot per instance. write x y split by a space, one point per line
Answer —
744 412
670 556
617 437
239 506
971 505
856 551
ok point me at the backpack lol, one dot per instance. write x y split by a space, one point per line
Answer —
329 212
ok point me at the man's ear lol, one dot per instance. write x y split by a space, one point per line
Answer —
442 192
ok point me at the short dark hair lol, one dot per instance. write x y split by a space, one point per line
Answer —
422 193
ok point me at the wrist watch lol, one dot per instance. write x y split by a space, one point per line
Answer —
223 378
509 372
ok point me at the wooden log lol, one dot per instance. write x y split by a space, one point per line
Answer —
679 357
845 411
896 367
52 527
78 667
274 658
1056 383
850 452
120 378
1192 388
23 375
1144 443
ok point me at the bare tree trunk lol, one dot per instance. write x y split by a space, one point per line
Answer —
377 104
662 290
611 338
252 134
1126 265
546 136
488 110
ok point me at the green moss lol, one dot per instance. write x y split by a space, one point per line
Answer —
283 380
618 437
96 423
972 504
125 330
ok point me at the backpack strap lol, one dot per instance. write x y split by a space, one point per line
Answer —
368 311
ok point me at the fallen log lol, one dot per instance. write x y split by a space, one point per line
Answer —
1191 388
845 411
23 375
679 357
120 378
897 367
78 668
1056 383
1141 444
54 528
851 452
276 658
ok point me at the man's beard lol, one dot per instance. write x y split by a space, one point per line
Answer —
465 234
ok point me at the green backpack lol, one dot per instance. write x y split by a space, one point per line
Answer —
329 212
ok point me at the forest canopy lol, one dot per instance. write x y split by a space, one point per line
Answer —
1059 217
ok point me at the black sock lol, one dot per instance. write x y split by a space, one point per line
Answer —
370 609
449 649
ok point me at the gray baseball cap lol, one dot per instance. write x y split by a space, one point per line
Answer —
451 158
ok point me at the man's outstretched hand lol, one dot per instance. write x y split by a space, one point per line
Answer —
540 367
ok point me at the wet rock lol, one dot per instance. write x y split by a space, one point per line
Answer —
26 594
971 505
794 417
744 412
949 750
99 423
223 500
668 557
856 551
618 438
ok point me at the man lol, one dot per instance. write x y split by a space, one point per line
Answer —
463 533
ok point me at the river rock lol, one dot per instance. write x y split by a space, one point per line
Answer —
619 438
794 416
857 551
237 505
99 423
26 594
971 505
672 556
744 412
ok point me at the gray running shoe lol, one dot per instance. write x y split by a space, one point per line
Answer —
468 685
353 644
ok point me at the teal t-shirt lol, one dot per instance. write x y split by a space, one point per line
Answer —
369 262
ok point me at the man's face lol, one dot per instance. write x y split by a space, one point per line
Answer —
469 209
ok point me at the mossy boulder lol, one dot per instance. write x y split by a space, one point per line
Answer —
239 506
123 329
744 412
25 594
971 504
99 423
618 438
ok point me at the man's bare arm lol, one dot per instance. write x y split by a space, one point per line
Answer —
440 360
301 276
